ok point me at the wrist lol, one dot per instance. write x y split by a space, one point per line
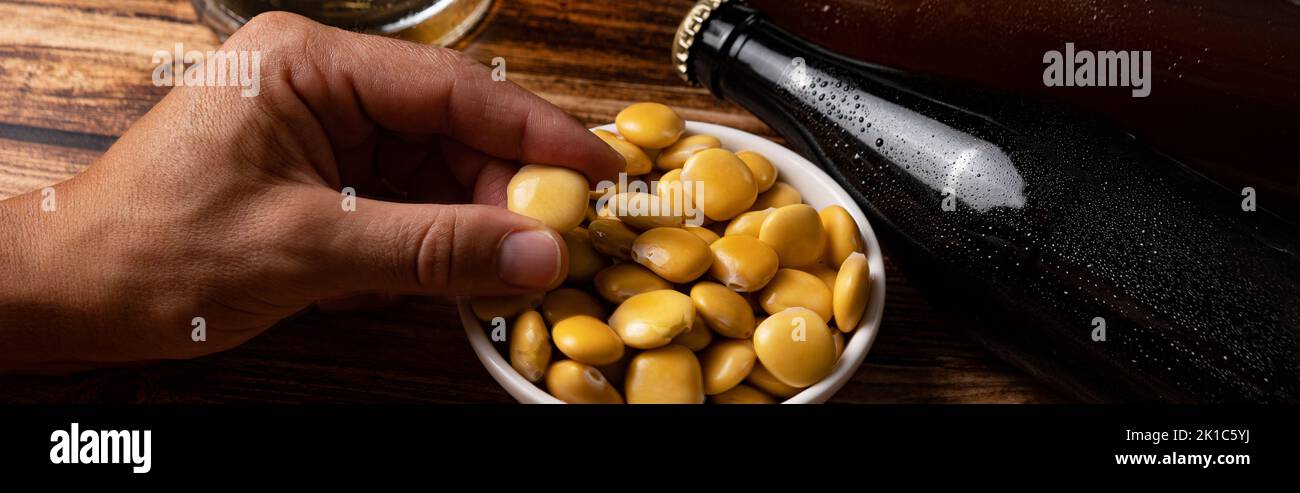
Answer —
19 221
39 322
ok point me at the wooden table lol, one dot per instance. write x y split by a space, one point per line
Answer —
74 74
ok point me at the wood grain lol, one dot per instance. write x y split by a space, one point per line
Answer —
74 74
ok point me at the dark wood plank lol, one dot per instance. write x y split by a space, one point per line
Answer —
80 70
74 74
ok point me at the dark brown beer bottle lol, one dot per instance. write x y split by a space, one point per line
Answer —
1081 254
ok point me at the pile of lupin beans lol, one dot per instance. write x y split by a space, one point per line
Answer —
751 307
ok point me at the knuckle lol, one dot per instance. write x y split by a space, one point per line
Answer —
278 22
276 32
437 252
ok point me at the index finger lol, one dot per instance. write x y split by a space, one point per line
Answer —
351 81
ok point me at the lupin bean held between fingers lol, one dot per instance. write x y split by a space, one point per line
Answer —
553 195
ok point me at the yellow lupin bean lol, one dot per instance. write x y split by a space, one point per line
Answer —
637 162
649 125
795 232
670 191
742 394
487 308
619 282
796 288
675 156
669 185
653 319
725 312
697 337
839 343
728 187
530 346
748 224
842 235
576 383
796 346
705 234
673 253
764 173
643 211
743 263
553 195
584 260
611 237
567 302
670 175
826 274
668 375
762 379
779 195
726 363
587 340
852 291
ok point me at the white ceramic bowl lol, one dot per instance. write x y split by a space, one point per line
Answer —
819 191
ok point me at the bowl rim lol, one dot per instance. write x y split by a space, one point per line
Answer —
787 163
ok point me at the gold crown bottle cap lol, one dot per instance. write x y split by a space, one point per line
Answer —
686 32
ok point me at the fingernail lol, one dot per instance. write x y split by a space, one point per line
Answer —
529 259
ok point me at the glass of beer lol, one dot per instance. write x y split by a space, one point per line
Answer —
440 22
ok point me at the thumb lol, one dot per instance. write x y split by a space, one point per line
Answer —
436 249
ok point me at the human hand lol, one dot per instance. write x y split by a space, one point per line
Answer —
230 208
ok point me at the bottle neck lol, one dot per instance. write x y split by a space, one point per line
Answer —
727 32
739 49
740 56
799 89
